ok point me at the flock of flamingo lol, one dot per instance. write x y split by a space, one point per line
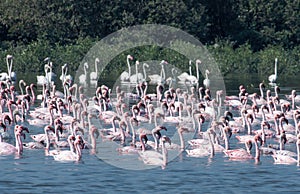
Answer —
65 119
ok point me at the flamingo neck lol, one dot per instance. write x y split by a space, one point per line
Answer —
298 152
165 156
96 68
182 145
93 141
212 149
257 151
226 140
133 132
197 70
249 127
155 140
276 69
19 145
129 68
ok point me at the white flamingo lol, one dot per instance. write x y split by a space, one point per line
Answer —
159 79
69 155
155 158
137 77
206 81
94 74
125 76
83 77
273 77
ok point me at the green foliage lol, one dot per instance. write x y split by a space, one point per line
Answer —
243 36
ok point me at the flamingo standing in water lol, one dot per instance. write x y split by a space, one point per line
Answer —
94 74
155 158
159 79
83 77
125 76
8 149
69 155
241 154
206 81
273 77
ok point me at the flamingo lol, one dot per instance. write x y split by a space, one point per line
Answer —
82 77
241 154
125 76
8 149
206 81
273 77
203 151
151 157
94 74
137 77
69 155
159 79
183 76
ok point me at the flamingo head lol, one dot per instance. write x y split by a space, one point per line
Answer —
144 137
294 94
166 139
283 137
163 62
266 123
129 57
258 138
198 61
9 56
228 130
262 85
228 113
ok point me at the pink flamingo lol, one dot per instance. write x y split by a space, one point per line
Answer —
8 149
69 155
151 157
241 154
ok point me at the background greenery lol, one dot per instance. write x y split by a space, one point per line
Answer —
243 36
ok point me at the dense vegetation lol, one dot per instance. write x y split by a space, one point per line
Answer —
243 36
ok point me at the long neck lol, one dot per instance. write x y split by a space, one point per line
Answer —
93 141
155 140
248 126
212 149
133 133
96 67
261 92
257 151
163 74
298 152
295 123
263 135
144 71
164 155
182 145
197 70
71 145
47 140
129 69
19 144
136 72
276 68
78 152
226 140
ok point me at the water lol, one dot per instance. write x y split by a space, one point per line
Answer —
35 173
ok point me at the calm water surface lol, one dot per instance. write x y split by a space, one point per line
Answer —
35 173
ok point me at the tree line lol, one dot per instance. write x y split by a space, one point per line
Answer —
243 36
